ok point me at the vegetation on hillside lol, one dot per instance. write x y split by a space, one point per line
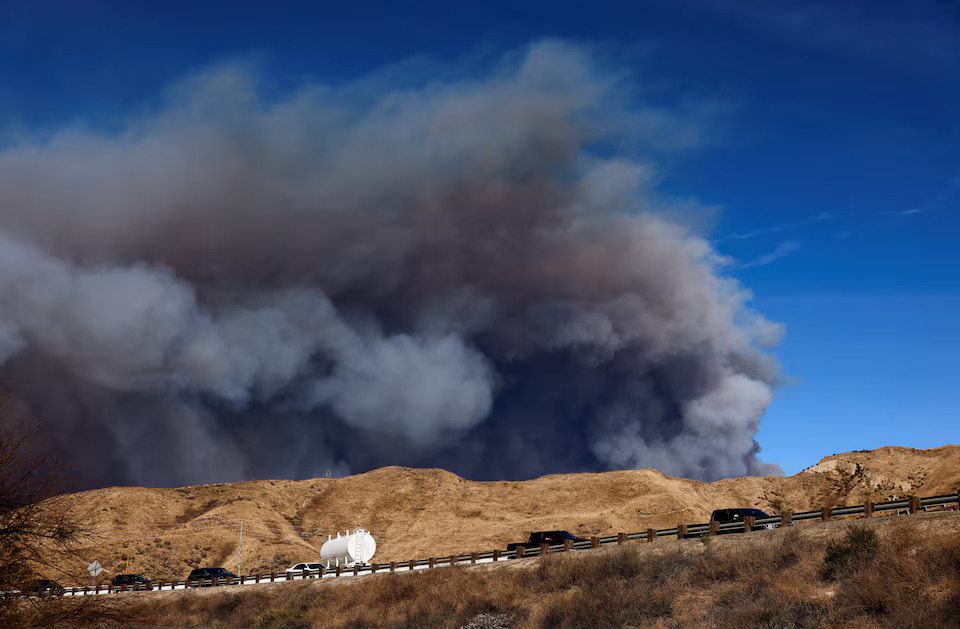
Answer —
905 577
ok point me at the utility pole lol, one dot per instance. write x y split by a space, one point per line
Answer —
240 554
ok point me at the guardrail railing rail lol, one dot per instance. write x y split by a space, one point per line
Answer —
911 505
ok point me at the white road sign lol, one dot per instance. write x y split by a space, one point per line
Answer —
95 568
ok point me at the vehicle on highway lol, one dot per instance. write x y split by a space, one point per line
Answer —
315 570
215 576
726 516
42 586
552 538
131 580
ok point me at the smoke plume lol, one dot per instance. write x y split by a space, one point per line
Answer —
474 274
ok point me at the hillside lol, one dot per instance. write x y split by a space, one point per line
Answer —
430 512
892 573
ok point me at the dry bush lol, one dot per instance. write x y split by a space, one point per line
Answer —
913 580
858 545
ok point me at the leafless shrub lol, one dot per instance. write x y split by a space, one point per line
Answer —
38 523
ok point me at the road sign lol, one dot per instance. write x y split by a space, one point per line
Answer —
95 568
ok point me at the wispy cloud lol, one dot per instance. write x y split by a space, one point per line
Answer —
776 229
944 201
924 37
785 248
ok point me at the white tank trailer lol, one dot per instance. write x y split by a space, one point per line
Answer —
346 550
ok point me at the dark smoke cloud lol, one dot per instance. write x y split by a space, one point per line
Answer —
468 274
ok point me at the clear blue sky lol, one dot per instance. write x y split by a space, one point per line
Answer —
833 154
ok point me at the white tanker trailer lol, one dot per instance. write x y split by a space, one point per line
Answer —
346 550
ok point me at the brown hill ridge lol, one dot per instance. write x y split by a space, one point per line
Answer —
419 513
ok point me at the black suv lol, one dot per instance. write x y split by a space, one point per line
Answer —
132 580
216 576
726 516
552 538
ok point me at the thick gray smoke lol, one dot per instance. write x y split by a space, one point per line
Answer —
473 274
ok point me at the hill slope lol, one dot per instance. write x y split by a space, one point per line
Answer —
429 512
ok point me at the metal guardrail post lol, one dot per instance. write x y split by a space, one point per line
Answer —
914 504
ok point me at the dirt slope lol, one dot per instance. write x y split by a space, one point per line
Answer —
429 512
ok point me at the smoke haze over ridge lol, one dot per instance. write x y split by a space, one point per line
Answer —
462 274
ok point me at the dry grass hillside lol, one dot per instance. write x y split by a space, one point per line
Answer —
896 573
429 512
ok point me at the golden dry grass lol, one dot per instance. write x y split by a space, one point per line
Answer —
428 512
769 579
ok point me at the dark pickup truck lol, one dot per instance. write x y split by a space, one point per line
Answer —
552 538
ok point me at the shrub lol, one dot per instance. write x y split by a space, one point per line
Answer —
858 544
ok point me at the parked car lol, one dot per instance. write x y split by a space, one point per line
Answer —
130 580
552 538
315 570
726 516
42 586
216 576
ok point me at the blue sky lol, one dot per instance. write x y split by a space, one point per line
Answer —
828 142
